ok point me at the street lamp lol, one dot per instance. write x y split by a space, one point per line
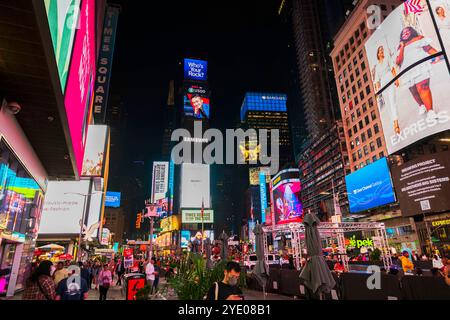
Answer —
78 257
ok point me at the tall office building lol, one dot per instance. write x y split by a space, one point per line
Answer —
311 24
361 118
268 111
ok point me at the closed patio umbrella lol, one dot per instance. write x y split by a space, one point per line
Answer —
224 250
209 263
261 269
316 274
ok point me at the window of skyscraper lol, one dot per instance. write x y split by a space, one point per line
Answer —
376 129
379 143
365 77
369 133
374 115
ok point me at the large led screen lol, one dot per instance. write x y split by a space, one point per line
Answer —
410 78
196 70
287 202
112 199
423 185
94 155
80 82
196 102
62 18
370 187
195 185
441 11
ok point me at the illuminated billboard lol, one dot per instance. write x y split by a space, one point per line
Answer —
64 206
94 155
195 185
62 18
423 184
263 102
410 78
196 102
286 196
160 180
112 199
441 12
370 187
185 238
196 70
254 175
80 82
195 216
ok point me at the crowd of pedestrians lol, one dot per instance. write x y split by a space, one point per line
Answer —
70 280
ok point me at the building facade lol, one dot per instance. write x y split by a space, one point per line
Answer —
360 115
323 167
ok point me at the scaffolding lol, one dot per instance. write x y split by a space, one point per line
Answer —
332 230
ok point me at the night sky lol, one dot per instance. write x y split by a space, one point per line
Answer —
244 42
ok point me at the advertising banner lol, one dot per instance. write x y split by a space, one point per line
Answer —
195 185
171 223
105 237
160 180
254 175
80 82
441 12
195 216
112 199
196 70
410 78
370 187
105 62
288 207
185 238
263 194
62 18
423 185
196 102
94 156
63 207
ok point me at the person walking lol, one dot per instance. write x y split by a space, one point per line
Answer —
104 282
150 274
120 270
157 272
73 289
95 273
60 273
40 285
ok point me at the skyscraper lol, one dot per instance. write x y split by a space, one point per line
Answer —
268 111
361 118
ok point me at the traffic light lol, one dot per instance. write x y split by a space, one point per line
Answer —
138 220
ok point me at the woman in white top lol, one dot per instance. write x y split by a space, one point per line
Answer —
443 23
382 74
412 48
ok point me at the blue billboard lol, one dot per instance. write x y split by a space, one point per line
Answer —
112 199
196 70
370 187
263 102
263 192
